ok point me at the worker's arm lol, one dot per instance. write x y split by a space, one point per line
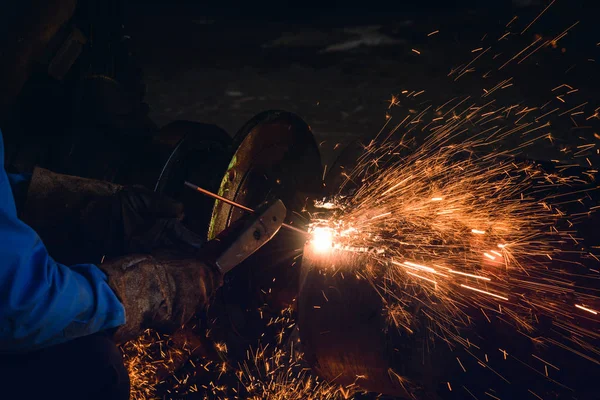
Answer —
19 183
43 302
81 220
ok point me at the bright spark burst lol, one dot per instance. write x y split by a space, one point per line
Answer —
322 238
139 363
465 225
269 372
454 222
280 375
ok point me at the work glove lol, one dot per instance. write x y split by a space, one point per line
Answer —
164 290
160 292
85 220
142 221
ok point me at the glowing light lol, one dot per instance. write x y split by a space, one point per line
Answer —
485 292
326 205
422 277
418 266
586 309
382 215
420 204
322 239
469 275
439 221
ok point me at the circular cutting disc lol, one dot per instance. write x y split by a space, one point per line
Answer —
276 158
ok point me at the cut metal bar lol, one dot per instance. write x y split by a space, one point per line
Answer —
235 204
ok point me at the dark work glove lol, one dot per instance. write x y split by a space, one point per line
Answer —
165 290
144 221
85 220
161 292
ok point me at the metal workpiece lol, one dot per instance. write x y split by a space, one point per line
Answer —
346 333
276 158
341 323
348 338
259 231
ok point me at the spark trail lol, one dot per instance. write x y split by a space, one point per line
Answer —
458 225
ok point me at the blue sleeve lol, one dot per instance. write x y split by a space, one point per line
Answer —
18 179
43 302
19 183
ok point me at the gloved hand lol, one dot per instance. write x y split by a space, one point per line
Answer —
143 221
160 292
165 290
85 220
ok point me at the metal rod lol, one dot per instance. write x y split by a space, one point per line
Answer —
235 204
216 196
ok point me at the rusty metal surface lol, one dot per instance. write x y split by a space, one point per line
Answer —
348 339
340 317
276 158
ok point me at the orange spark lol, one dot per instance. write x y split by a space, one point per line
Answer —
586 309
484 292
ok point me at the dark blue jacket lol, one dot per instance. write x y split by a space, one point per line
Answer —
43 302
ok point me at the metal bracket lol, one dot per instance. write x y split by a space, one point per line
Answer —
262 229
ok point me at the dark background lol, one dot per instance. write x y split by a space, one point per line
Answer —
334 64
223 62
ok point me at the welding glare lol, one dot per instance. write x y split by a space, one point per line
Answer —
322 239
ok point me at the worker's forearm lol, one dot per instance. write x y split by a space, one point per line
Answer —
161 292
69 303
43 302
19 184
72 215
